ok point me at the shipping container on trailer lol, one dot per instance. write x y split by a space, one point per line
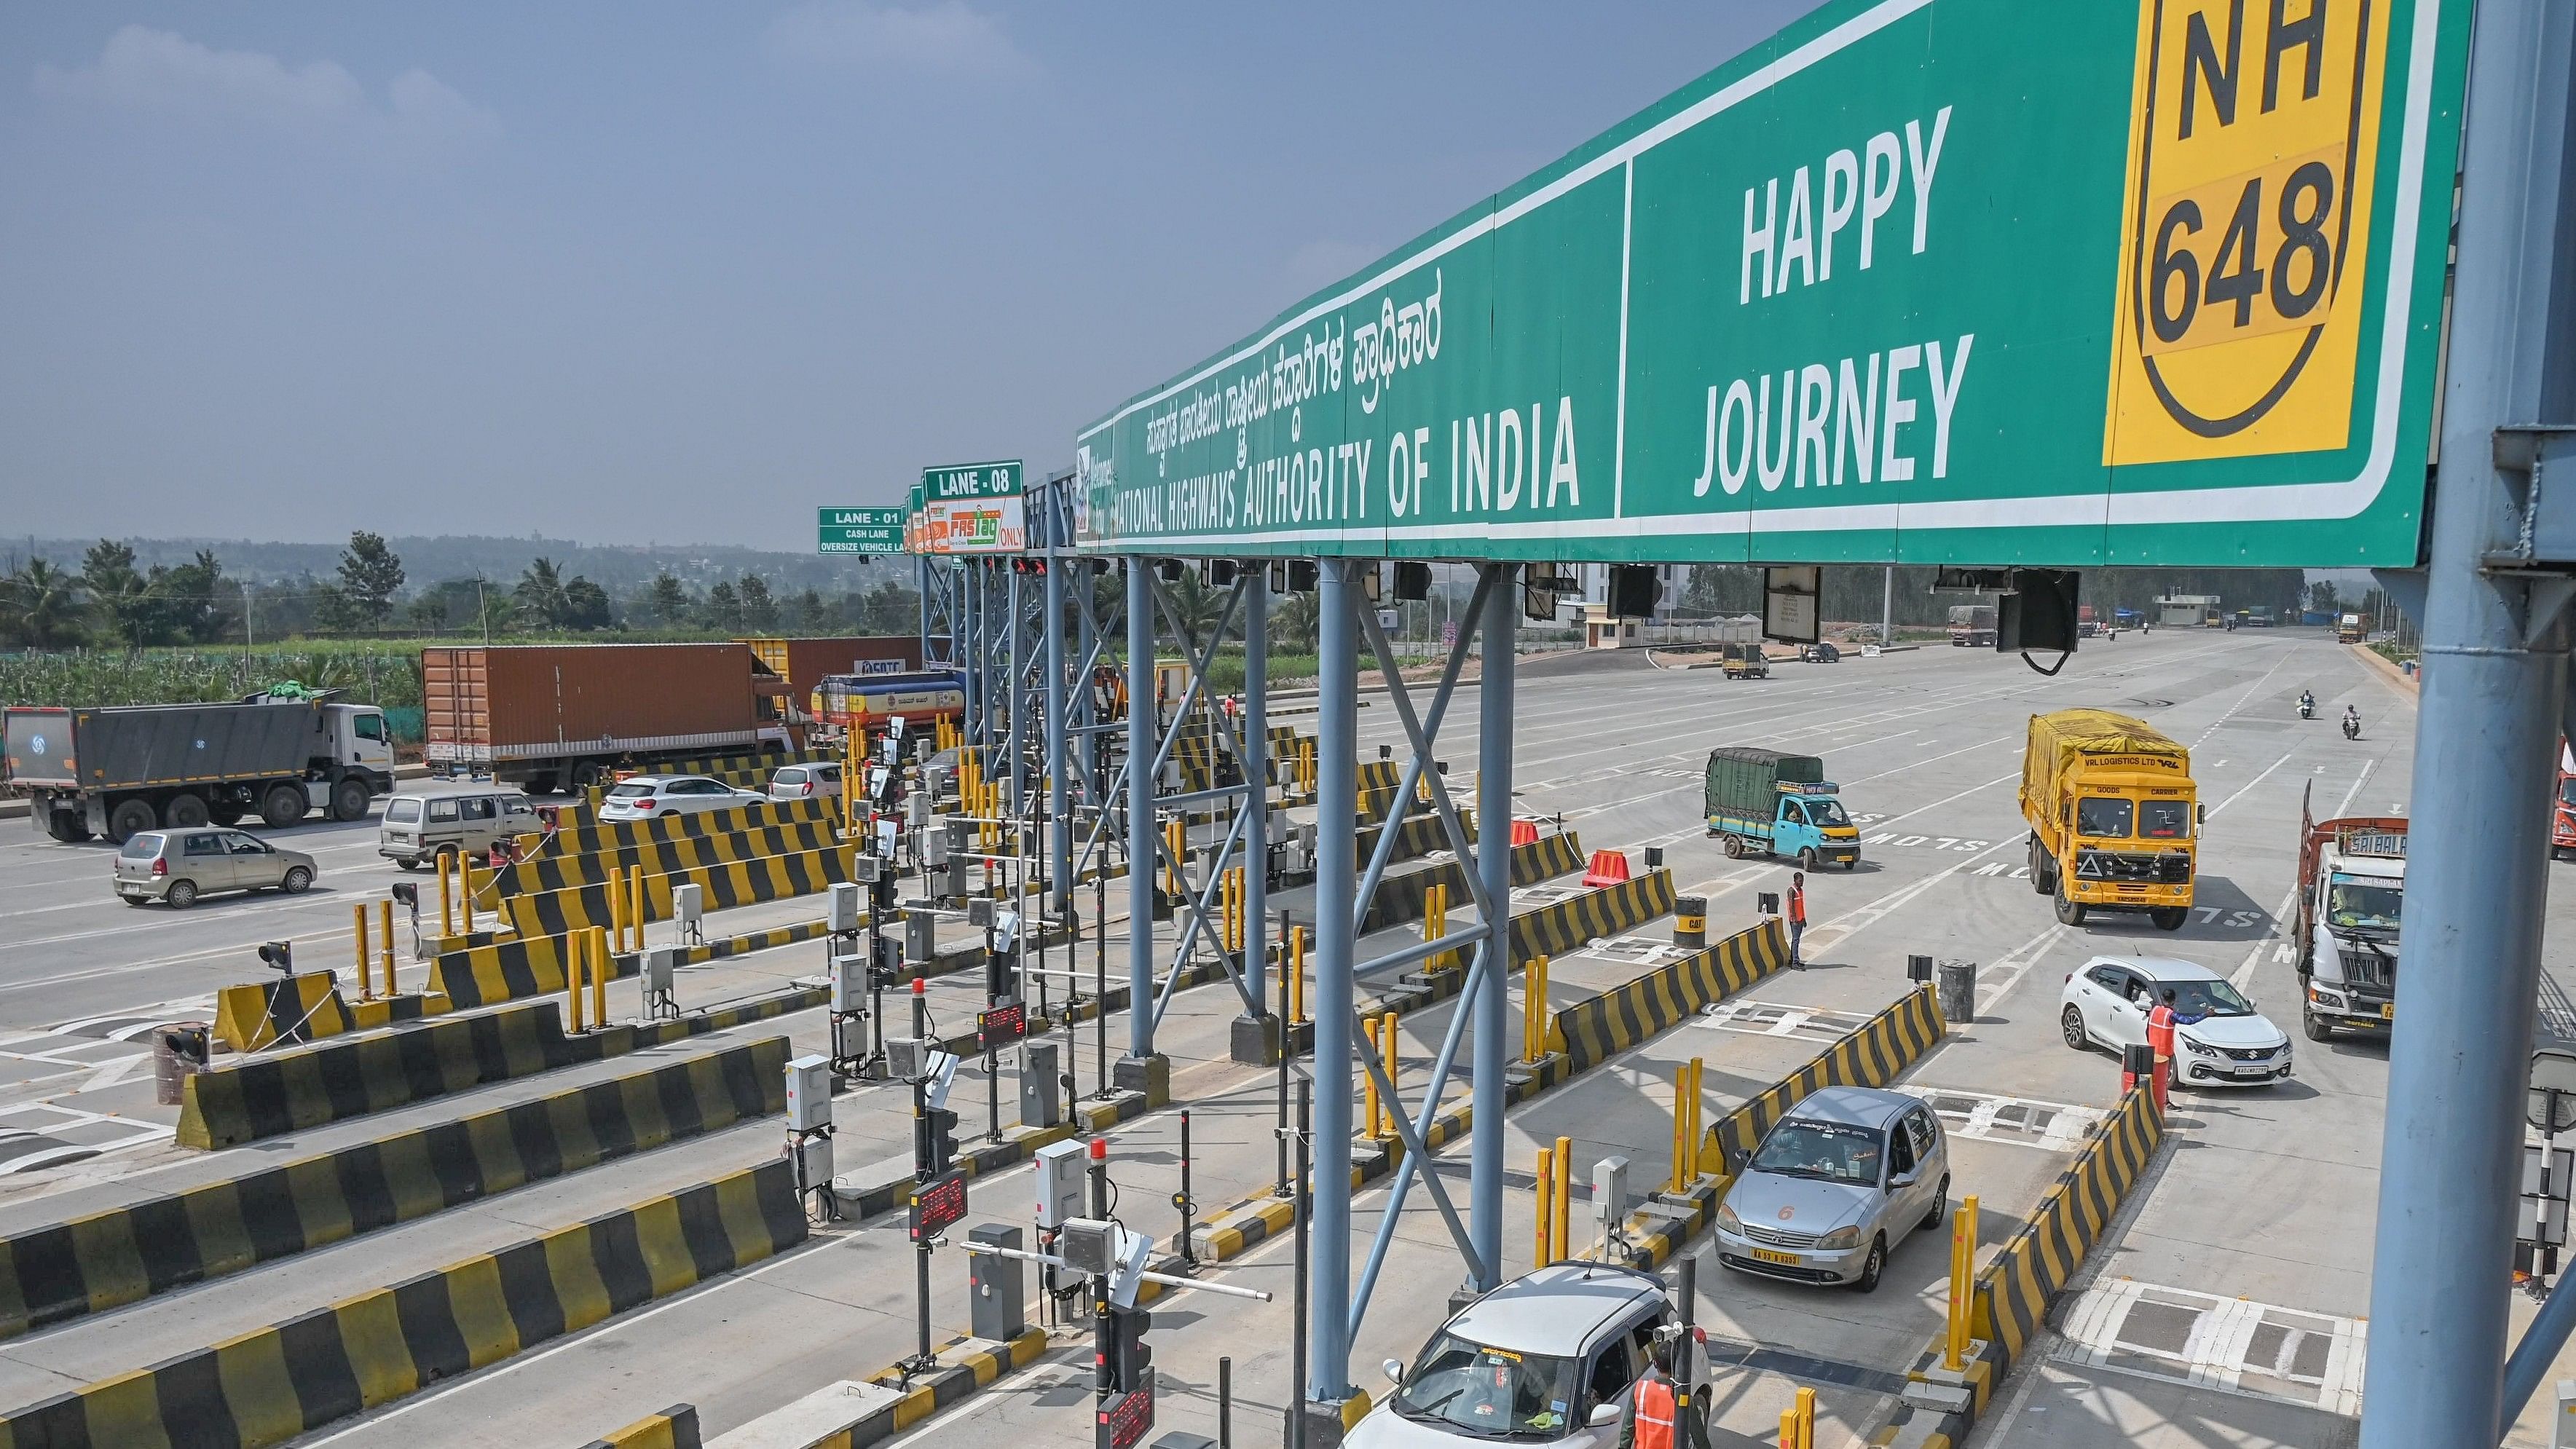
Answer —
803 663
550 715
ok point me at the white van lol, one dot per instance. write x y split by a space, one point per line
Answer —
418 826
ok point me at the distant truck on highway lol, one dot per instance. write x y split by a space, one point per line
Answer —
1764 802
2349 630
1972 626
2112 811
121 771
2352 884
841 702
553 716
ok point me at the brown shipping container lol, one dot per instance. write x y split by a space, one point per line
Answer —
804 662
546 701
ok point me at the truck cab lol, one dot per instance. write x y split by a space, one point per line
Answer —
2113 814
2352 883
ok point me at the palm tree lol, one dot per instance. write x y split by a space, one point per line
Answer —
1197 607
41 605
1297 623
541 592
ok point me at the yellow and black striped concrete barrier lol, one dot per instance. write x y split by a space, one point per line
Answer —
1399 898
1599 1027
1567 925
1885 1045
554 871
334 1081
125 1254
309 1007
674 1428
595 837
269 1386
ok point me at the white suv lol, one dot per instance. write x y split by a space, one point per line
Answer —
649 797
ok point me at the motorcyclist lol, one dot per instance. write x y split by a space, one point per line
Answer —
2307 705
2351 721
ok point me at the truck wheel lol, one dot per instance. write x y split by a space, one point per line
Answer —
1807 860
587 774
540 784
2069 913
349 800
185 811
66 826
132 816
2315 1027
2169 918
2037 866
226 813
1733 845
282 806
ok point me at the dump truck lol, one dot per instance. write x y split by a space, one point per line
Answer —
2349 630
120 771
1972 626
547 716
2112 814
1763 802
2352 885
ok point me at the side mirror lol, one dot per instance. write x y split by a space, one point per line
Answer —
1394 1370
1603 1416
1905 1179
2202 817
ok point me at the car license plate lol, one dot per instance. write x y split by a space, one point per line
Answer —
2253 1071
2388 1012
1767 1255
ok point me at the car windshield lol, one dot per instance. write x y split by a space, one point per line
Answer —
402 812
1492 1393
2362 905
2567 789
1826 811
2207 998
630 791
2164 819
141 847
1832 1151
2104 815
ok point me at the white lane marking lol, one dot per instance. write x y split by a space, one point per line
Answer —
1927 759
1764 1018
1946 799
2248 785
1993 986
1843 927
1986 1117
2243 699
2232 1345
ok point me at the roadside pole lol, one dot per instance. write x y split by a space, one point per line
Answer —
2494 684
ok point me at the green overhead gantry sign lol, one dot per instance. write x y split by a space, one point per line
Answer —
1956 281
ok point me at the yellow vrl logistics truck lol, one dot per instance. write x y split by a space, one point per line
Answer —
2113 816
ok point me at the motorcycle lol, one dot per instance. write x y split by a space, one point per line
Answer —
2307 709
2351 728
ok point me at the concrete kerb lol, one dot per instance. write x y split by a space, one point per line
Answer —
2380 665
270 1385
674 1428
856 1413
2020 1285
125 1254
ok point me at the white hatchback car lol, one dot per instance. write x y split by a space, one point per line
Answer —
2219 1038
648 797
821 780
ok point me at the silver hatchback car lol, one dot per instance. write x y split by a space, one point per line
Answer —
1835 1186
178 866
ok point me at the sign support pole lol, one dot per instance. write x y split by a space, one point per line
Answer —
2494 686
1336 872
1494 863
1142 876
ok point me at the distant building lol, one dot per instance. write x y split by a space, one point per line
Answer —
2186 611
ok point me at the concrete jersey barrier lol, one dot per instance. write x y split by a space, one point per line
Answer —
674 1428
123 1255
269 1386
1569 924
557 870
1400 898
1597 1028
335 1081
1872 1056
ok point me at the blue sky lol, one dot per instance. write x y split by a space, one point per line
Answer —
683 271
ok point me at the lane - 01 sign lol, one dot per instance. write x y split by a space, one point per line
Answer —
862 530
1961 281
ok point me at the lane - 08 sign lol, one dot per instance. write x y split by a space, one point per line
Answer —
973 508
1976 281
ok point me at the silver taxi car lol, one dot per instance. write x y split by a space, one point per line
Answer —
1835 1186
176 867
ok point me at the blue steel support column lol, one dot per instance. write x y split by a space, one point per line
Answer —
1256 776
1328 1344
970 652
1059 696
2494 683
1017 694
921 594
1494 865
1143 867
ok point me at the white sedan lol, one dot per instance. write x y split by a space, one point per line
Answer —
647 797
2219 1038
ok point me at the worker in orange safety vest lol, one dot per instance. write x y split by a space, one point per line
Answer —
1657 1417
1797 917
2160 1040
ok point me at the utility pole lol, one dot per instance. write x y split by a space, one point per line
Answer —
2494 691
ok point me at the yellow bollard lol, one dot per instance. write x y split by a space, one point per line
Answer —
465 890
1393 1103
1296 973
1806 1413
1963 1264
1545 1188
642 909
366 979
617 904
576 951
1534 1009
1698 1128
1675 1181
1368 1083
1561 1215
599 972
1788 1429
446 899
385 930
